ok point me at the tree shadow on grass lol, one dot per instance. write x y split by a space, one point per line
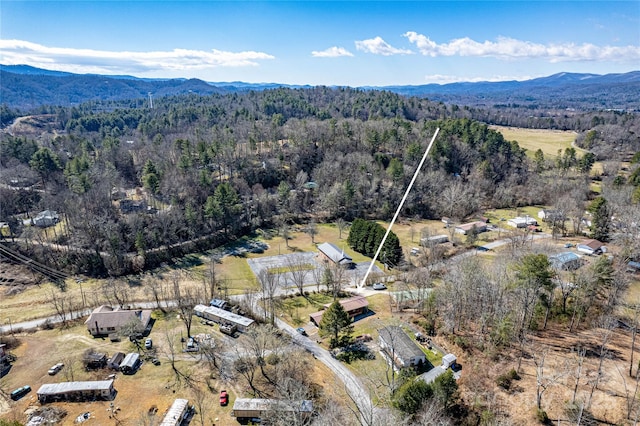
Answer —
188 261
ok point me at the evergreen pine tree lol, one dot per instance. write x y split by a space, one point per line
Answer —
336 323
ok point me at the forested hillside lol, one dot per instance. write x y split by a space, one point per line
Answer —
210 168
28 88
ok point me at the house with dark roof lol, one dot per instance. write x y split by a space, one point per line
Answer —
329 253
399 348
354 306
590 247
105 320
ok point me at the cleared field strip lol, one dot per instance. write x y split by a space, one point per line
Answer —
549 141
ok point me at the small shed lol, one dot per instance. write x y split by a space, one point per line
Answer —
115 361
95 360
448 360
130 363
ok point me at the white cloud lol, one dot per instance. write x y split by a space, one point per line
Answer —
509 48
446 79
100 61
332 52
378 46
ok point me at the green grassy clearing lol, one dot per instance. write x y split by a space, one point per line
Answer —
296 310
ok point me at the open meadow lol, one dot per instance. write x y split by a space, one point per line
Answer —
549 141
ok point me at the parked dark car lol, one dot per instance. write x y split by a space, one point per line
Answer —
20 392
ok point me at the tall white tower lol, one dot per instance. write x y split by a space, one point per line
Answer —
150 101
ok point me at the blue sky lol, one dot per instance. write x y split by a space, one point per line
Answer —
324 43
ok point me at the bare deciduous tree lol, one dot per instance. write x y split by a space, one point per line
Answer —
342 225
545 379
155 288
269 283
577 373
298 270
607 324
185 299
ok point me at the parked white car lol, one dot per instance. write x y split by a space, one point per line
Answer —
54 370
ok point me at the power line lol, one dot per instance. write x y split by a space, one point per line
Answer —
395 216
50 273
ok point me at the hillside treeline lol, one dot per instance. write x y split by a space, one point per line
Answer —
211 168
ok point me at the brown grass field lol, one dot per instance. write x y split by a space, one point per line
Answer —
549 141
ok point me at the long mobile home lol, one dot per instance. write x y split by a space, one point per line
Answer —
177 413
223 317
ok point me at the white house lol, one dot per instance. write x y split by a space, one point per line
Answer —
522 222
466 228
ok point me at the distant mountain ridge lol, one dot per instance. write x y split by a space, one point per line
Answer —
28 87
